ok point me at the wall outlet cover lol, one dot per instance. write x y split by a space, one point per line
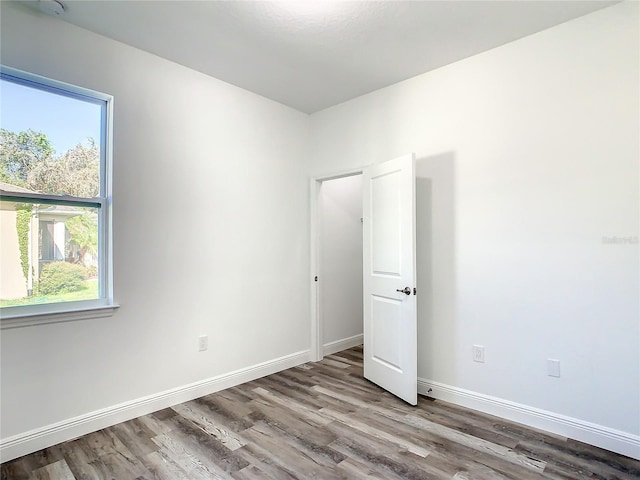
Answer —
478 353
553 367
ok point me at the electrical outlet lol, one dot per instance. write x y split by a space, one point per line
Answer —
203 343
553 367
478 353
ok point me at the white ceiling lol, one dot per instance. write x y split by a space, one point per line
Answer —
311 55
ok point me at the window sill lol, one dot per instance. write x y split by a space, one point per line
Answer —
71 315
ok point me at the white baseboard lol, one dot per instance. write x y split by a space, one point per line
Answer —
34 440
593 434
339 345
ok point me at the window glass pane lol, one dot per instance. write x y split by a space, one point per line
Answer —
49 253
49 142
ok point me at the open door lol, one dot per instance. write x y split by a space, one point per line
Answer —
390 314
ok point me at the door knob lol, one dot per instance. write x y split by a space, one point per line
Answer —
406 290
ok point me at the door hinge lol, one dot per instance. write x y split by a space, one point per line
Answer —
415 292
315 278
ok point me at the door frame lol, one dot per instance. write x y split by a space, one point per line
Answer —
315 182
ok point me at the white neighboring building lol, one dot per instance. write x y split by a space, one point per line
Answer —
47 237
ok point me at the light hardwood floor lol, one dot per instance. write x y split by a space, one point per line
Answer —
319 421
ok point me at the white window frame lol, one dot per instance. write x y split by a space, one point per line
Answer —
28 315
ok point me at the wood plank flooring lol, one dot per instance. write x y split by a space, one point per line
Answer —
319 421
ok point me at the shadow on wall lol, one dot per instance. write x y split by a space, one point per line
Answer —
436 266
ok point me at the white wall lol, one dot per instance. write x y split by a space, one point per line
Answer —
340 259
210 227
528 156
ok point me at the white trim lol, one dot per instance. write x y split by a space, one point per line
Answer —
340 174
46 83
339 345
316 325
34 440
591 433
106 219
316 347
52 316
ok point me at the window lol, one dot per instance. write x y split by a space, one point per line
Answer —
54 199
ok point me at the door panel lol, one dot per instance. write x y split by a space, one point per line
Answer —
386 256
390 317
385 345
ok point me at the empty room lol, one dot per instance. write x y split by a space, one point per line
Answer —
319 239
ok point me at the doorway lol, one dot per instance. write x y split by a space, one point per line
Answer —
337 232
383 196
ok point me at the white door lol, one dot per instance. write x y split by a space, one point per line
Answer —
390 316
